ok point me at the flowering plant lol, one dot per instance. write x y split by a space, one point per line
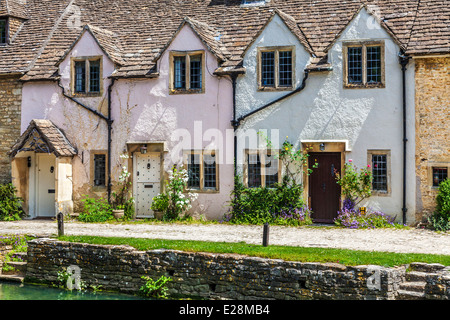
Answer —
175 202
355 185
122 199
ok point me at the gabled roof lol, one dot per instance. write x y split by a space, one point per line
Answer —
136 32
43 136
374 12
106 40
290 24
209 36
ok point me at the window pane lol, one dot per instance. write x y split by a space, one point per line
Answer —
439 175
2 31
271 170
179 64
285 68
99 169
209 175
94 76
354 65
80 76
379 170
373 64
194 171
254 171
196 72
268 69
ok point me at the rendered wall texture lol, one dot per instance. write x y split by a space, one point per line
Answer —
10 106
432 123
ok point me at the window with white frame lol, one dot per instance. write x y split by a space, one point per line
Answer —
363 64
202 167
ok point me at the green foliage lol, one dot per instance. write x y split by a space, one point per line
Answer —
18 243
95 210
281 205
160 202
294 162
122 199
10 204
175 202
155 289
355 185
62 277
440 220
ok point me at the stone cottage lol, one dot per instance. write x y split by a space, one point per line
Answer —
189 83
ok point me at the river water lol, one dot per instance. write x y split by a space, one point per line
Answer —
16 291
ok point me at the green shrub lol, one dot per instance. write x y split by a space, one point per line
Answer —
156 289
95 210
10 204
18 243
440 220
283 204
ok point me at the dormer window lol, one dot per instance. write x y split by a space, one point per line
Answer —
187 72
3 31
364 64
86 76
276 68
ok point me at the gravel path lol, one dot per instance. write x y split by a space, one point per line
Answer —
391 240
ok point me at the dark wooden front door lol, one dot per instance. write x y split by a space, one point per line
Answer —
324 192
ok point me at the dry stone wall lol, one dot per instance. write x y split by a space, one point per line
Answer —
212 276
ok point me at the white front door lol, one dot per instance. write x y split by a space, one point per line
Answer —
45 191
147 182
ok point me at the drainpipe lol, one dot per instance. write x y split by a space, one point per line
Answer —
234 122
300 88
108 120
403 60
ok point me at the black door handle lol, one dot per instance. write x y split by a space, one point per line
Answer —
323 186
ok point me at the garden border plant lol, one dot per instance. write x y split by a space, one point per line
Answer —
440 219
10 204
282 203
357 186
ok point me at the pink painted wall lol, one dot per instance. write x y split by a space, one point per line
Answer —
142 110
145 111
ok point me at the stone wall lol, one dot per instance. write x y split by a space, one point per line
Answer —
10 106
212 276
432 127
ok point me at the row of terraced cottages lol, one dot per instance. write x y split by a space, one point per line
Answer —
192 83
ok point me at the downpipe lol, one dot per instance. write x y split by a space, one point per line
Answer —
108 120
403 60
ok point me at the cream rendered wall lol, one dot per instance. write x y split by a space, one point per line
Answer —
324 111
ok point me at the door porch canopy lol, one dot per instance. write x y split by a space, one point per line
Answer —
43 136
